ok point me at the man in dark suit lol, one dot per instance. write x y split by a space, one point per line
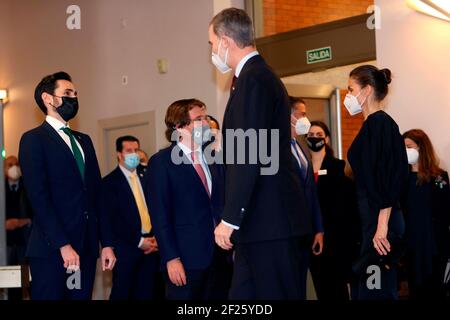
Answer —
134 244
62 179
18 219
265 214
300 126
185 195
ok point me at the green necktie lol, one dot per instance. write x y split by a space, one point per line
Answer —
76 151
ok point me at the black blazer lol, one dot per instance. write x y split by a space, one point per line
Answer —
119 204
265 207
337 197
182 213
65 207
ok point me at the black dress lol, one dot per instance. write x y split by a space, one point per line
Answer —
380 166
427 217
331 270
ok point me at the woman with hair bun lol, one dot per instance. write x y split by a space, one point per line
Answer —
380 166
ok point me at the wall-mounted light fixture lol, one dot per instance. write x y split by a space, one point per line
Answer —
436 8
3 96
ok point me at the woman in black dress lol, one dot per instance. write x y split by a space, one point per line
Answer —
380 166
331 270
427 217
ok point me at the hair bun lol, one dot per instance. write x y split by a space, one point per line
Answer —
387 75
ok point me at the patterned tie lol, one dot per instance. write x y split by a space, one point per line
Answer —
195 155
76 151
146 225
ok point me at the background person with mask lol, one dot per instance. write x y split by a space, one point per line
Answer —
62 180
18 219
135 246
380 166
143 163
331 270
185 198
300 126
427 216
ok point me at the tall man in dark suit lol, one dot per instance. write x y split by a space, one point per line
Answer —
135 246
265 214
300 126
62 180
185 195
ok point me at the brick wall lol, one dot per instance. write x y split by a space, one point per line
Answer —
285 15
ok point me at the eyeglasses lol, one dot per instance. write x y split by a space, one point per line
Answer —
201 119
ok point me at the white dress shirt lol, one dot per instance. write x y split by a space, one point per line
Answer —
58 125
187 151
299 153
127 173
243 61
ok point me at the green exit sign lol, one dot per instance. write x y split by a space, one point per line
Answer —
318 55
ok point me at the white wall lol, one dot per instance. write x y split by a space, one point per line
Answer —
117 37
416 47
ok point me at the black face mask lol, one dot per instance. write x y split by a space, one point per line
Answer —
68 109
315 144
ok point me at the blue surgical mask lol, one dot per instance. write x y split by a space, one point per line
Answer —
201 135
132 160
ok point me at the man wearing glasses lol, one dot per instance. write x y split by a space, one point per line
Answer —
185 198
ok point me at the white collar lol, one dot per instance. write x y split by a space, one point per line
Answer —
127 172
55 123
243 61
187 151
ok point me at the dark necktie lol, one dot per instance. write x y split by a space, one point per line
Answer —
76 151
302 162
14 187
232 84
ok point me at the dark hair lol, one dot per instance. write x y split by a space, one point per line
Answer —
212 119
428 160
177 115
370 75
236 24
327 132
293 101
48 85
121 140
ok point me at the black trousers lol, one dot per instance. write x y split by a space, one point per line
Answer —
51 281
196 288
270 270
134 274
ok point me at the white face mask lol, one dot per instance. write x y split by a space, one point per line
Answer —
413 155
14 173
302 126
218 62
352 104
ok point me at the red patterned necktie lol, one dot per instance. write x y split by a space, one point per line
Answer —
195 155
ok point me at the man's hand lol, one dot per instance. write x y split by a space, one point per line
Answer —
12 224
70 257
176 272
153 246
318 241
108 258
24 222
222 235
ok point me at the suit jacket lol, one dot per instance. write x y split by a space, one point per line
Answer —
265 207
183 215
119 203
337 198
65 206
310 187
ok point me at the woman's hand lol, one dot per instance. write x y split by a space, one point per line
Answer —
380 241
